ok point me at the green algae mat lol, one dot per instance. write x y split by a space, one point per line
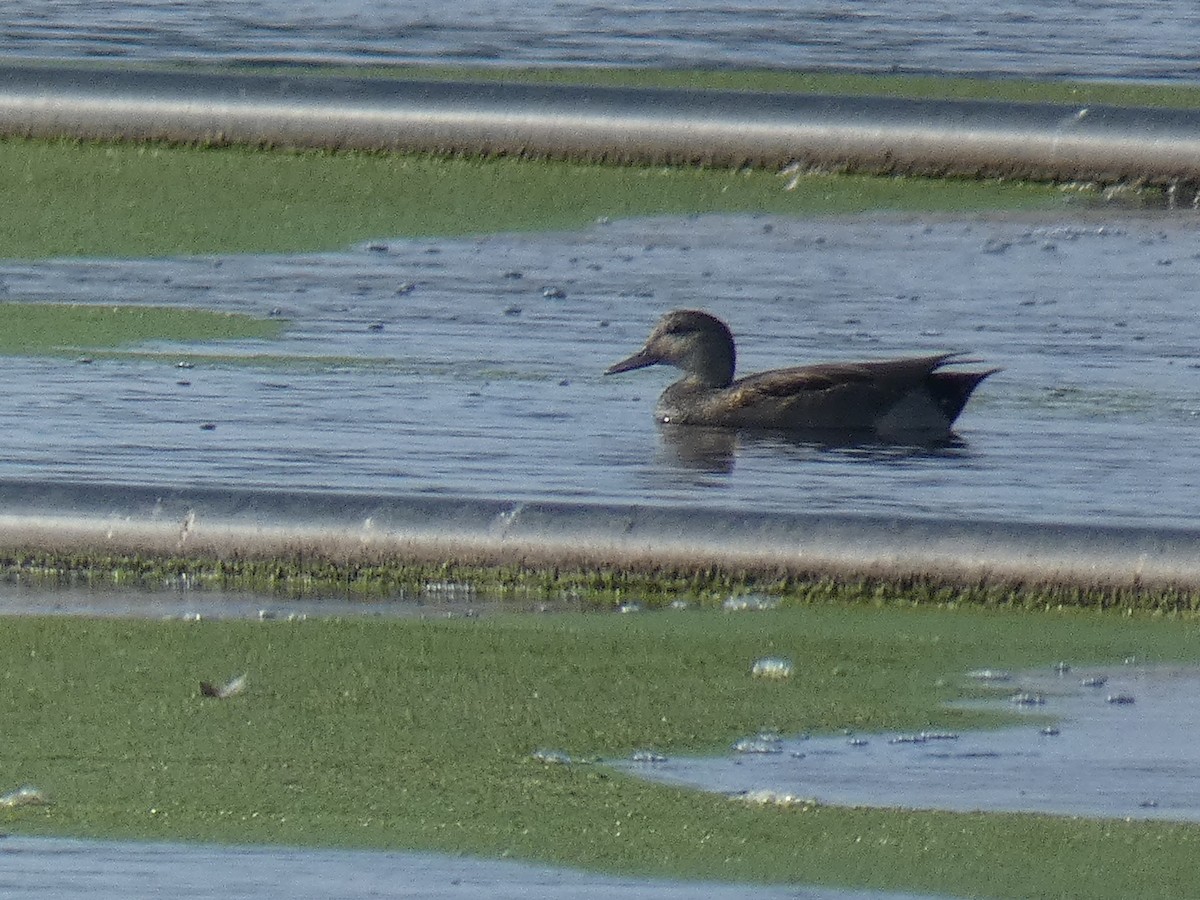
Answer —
420 734
83 199
62 329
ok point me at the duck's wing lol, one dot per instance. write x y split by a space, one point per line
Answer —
826 396
886 375
850 395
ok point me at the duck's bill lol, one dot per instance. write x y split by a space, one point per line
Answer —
639 360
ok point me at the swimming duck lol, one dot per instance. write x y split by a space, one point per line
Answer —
893 398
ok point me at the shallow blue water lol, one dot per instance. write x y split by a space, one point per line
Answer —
471 367
108 870
1078 38
1101 742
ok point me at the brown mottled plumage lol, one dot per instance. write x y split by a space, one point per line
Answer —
894 398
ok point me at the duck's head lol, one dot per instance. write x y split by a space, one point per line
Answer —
699 344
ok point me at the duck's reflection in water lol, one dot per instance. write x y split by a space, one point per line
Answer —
715 450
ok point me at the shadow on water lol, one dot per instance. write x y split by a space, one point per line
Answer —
715 450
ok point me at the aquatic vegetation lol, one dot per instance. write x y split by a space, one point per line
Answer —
90 199
68 329
1023 90
419 734
650 587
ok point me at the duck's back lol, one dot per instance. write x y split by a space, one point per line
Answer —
886 397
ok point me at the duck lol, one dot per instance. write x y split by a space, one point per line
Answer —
907 398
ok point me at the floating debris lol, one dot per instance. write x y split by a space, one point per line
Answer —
990 675
773 667
1094 681
1050 731
679 604
552 757
763 742
647 756
939 735
1119 699
265 615
449 590
1027 698
23 796
858 742
554 293
225 691
629 608
765 797
923 736
750 603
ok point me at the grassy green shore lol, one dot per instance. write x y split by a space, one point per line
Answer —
419 734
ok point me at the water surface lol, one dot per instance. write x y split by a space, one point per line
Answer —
109 870
1099 38
471 367
1115 742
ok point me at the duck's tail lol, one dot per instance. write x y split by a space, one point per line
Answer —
951 390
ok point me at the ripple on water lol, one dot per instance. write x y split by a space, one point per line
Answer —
1130 754
1125 39
457 395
